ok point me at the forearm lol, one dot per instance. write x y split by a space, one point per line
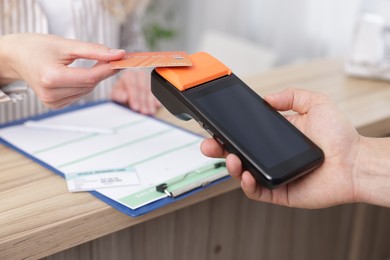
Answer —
372 171
8 73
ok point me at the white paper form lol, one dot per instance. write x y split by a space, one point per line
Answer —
157 151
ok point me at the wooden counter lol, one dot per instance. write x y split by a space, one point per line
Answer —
39 217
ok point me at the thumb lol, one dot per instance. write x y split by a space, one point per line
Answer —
297 100
94 51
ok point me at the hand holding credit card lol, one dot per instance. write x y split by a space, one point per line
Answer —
153 59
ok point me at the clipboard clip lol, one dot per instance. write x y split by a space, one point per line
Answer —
163 188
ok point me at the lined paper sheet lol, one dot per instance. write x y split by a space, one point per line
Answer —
157 151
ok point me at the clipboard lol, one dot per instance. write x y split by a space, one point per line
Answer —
173 192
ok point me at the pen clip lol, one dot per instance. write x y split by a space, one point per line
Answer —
163 188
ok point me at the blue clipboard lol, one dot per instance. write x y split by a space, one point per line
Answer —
126 210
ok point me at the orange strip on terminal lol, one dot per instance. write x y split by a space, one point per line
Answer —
204 68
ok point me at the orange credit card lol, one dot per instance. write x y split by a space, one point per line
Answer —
153 59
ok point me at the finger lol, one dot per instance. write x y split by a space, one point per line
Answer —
93 51
148 107
119 92
67 100
252 190
134 99
234 166
138 90
151 101
211 148
131 86
151 104
297 100
83 77
154 102
53 95
157 103
142 98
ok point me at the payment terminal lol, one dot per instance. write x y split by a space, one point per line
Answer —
269 146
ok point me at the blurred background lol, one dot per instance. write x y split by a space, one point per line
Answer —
255 35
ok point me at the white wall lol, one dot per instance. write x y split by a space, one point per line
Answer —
296 29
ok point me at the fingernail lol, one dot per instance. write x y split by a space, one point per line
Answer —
116 51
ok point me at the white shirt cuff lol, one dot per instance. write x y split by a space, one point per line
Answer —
13 92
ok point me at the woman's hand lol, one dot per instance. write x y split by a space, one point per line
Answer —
43 62
133 89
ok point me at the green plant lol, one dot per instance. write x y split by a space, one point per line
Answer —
159 23
155 32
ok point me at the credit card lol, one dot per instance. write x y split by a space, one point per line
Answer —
153 59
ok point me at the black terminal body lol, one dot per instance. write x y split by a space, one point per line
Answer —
269 146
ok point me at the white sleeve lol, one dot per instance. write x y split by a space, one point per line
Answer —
13 92
4 98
